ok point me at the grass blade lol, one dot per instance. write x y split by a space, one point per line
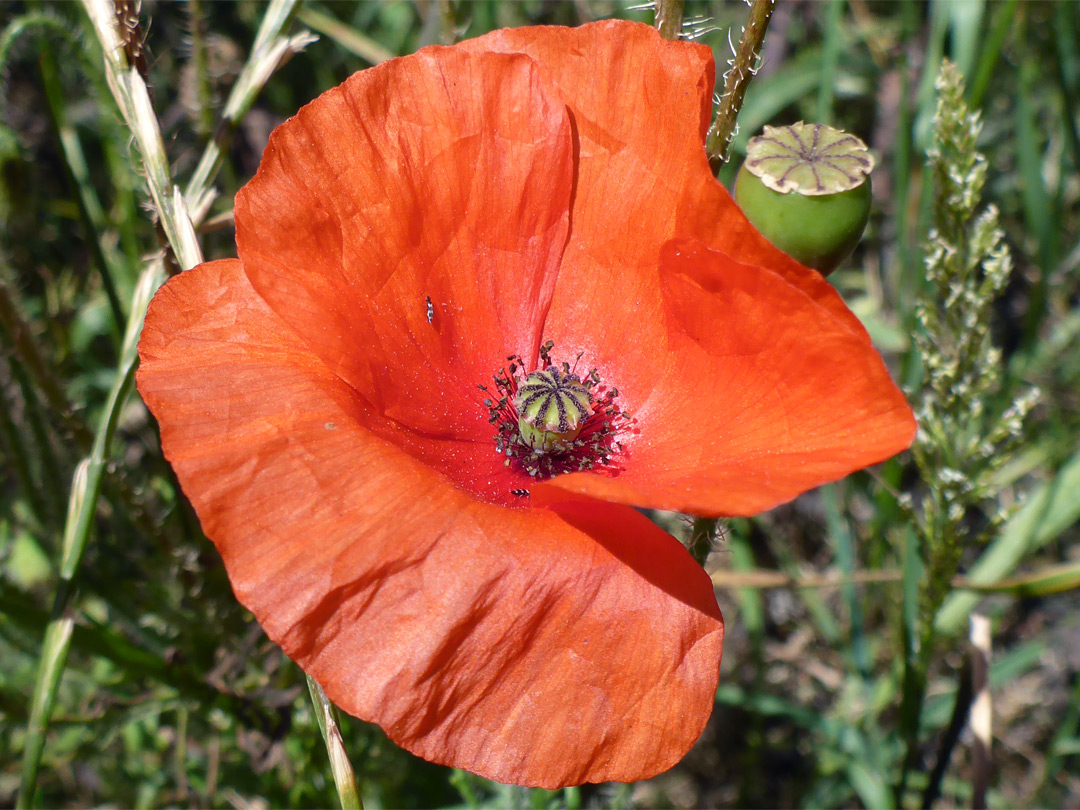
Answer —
830 55
965 22
53 657
131 94
344 35
1038 208
1065 52
82 508
1049 511
844 543
344 778
990 54
90 210
270 51
1046 582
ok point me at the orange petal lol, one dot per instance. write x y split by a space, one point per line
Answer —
444 177
758 393
640 107
566 642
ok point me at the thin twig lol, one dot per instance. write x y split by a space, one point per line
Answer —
718 141
959 718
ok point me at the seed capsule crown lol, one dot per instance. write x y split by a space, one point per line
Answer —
553 400
810 159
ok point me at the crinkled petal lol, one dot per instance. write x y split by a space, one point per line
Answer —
441 177
566 642
640 107
758 393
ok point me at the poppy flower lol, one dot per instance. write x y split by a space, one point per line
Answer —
445 541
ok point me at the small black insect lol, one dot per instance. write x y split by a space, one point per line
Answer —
521 493
430 309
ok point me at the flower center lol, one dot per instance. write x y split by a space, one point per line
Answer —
552 408
552 421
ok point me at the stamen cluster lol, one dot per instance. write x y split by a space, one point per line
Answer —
601 422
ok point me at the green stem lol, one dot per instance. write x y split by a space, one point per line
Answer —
913 681
447 23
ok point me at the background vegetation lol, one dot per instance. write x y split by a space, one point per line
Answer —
847 647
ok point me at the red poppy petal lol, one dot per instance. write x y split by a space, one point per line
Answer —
640 107
375 198
760 393
568 642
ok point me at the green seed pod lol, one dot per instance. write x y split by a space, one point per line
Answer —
806 187
552 407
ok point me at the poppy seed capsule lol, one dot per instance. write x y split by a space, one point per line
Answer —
552 407
806 188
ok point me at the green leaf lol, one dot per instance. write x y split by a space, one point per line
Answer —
1049 511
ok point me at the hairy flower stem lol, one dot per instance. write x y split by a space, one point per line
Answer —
669 17
718 140
701 538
